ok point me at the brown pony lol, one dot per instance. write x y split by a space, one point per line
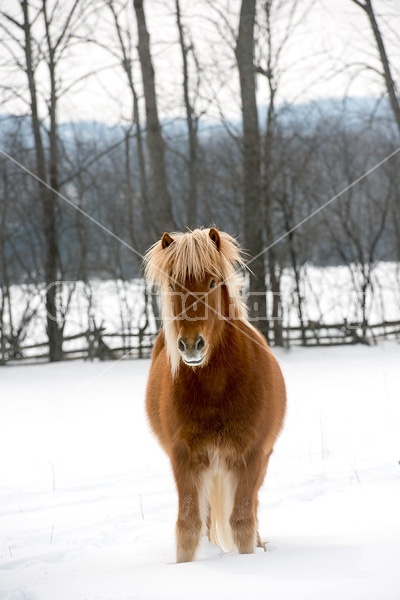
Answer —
215 395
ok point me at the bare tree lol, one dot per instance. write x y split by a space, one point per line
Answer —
49 50
46 197
137 204
253 216
191 120
160 197
357 223
366 6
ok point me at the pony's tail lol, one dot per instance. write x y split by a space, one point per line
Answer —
221 500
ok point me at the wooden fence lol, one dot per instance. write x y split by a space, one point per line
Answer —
339 334
94 344
97 344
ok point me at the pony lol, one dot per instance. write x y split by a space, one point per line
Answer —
215 395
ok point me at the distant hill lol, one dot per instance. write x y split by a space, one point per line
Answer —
353 111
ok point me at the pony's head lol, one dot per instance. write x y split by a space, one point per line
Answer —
201 289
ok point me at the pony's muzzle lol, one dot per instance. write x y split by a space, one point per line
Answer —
192 352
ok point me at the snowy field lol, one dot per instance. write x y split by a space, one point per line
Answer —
88 505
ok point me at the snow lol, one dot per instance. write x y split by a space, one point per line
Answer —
88 505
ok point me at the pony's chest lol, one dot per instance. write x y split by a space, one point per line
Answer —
202 410
213 408
211 417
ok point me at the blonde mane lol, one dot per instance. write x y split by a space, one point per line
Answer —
193 255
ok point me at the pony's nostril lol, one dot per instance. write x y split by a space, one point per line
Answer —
181 345
200 343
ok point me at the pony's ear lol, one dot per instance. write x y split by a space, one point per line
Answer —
166 240
214 235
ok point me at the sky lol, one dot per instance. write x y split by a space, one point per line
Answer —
328 45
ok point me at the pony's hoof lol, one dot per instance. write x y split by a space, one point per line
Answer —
261 545
183 559
184 556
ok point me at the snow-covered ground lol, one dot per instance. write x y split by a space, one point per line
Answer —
88 505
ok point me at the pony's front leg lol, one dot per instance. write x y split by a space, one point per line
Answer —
243 519
188 478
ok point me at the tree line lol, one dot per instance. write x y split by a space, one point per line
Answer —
258 179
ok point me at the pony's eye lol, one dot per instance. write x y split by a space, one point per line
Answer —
212 284
171 287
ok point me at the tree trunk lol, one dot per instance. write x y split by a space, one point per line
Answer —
191 123
253 217
55 330
46 196
143 209
273 266
160 198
